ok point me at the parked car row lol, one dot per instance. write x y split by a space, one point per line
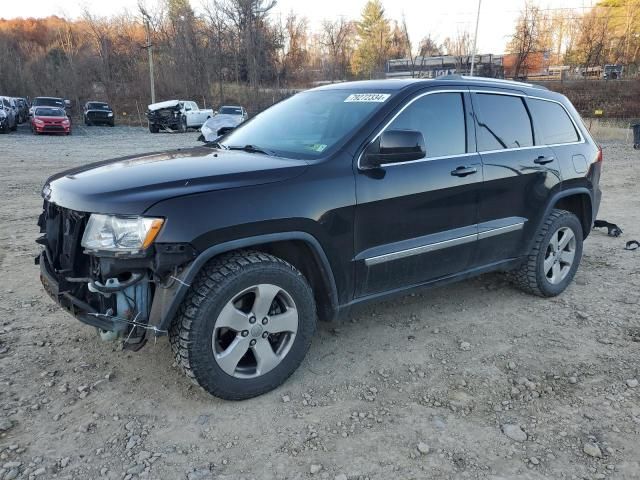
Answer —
50 114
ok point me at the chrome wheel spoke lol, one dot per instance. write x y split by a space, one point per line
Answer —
567 256
229 358
553 242
284 322
265 356
567 236
231 317
265 294
555 275
548 263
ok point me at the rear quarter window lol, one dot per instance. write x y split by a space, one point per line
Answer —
503 122
553 122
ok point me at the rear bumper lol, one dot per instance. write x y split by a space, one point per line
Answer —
76 307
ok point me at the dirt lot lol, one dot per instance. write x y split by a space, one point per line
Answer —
474 380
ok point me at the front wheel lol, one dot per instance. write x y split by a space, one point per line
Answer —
245 326
153 128
554 258
182 128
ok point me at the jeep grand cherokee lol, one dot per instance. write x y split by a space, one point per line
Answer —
339 195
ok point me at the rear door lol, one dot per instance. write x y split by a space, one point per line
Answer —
520 173
416 221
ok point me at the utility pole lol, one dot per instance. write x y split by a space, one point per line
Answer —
149 47
475 40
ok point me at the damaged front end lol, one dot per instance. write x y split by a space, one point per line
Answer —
165 117
124 294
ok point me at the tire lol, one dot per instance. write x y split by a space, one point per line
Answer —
199 328
535 275
182 128
153 128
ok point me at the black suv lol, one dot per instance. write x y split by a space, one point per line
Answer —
336 196
98 113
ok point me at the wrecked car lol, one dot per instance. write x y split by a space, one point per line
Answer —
227 118
176 115
340 195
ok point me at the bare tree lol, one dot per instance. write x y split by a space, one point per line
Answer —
526 39
460 47
335 36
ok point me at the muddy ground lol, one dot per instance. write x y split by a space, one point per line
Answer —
473 380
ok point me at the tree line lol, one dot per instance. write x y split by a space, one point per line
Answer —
241 51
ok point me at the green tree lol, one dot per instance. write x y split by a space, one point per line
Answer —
374 40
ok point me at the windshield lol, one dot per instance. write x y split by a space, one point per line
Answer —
48 102
50 112
230 110
307 124
97 106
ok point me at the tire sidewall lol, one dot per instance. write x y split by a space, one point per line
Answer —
203 363
567 220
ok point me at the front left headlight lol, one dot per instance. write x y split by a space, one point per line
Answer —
110 114
113 233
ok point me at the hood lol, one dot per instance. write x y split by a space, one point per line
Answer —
131 185
222 120
166 104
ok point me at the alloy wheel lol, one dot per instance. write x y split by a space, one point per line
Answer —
560 255
255 331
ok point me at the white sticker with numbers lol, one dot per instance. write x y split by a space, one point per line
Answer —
367 97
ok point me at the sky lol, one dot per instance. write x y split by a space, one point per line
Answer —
435 17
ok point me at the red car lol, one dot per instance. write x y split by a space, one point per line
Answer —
50 120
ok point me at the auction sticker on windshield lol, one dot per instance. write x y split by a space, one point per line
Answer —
367 97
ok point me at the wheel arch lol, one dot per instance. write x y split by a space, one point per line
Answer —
577 201
301 249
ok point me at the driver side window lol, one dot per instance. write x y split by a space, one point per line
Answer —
440 118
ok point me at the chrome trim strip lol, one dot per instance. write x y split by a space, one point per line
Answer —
431 247
499 231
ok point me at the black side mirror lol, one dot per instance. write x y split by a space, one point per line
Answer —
394 146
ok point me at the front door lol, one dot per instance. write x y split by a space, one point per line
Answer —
416 221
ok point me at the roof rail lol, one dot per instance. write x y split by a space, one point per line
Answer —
491 80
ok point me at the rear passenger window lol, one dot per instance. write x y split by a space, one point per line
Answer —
503 122
553 122
440 118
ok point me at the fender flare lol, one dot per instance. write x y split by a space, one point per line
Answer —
169 306
559 196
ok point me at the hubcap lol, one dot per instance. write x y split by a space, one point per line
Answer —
560 255
244 348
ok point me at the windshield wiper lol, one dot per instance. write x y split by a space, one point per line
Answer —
252 149
216 144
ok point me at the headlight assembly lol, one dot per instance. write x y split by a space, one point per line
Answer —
112 233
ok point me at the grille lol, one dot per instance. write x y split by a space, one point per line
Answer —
53 128
63 229
97 115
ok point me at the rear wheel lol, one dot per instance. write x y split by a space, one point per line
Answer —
554 258
245 326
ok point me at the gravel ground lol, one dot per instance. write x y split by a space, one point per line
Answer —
473 380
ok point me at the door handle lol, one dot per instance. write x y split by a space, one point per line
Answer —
542 160
464 171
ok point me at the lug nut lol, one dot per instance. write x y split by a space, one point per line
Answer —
252 343
265 334
245 333
252 319
265 320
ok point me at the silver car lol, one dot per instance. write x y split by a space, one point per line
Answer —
225 120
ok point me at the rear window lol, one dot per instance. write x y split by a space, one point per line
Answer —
553 122
503 122
231 111
98 106
49 112
48 102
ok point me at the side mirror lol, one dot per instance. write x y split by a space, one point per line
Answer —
394 146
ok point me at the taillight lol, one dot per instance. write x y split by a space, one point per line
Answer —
599 157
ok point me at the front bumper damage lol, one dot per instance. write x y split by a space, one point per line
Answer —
126 297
